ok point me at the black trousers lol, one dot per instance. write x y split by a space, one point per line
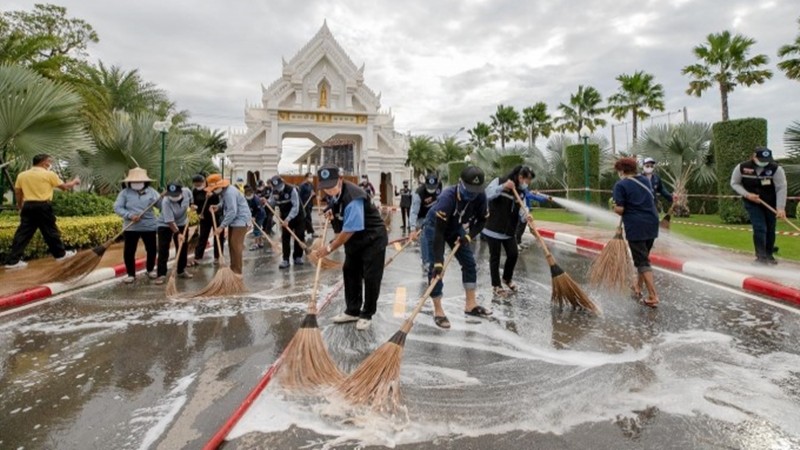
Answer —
512 253
299 229
363 272
309 222
165 236
129 250
404 213
36 216
269 223
520 231
206 229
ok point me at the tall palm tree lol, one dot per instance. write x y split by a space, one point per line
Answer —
505 122
637 95
423 155
127 91
537 122
723 60
684 155
583 109
481 136
451 149
791 66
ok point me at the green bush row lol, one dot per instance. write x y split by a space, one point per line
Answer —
73 204
575 171
76 232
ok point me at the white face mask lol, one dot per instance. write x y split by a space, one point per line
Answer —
523 186
249 197
176 199
218 191
621 175
762 164
136 186
430 190
649 170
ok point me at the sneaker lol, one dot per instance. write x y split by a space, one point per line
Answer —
185 275
363 324
67 255
298 261
128 280
19 265
284 264
152 275
160 280
345 318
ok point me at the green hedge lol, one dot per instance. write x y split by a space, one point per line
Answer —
508 162
575 178
734 142
76 232
71 204
454 169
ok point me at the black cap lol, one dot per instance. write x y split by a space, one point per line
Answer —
763 154
328 177
431 181
276 181
405 181
174 190
248 188
198 178
473 179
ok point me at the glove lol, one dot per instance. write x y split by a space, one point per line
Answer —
438 269
464 240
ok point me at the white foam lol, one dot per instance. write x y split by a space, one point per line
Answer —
162 414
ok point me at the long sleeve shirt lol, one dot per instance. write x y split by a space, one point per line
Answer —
416 201
779 180
175 212
131 203
452 216
235 210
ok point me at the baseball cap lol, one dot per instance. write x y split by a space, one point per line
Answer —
473 178
649 160
174 190
431 181
763 154
198 178
276 181
328 177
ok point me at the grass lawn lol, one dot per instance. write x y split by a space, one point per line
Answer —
732 239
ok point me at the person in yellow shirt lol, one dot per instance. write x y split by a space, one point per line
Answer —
34 191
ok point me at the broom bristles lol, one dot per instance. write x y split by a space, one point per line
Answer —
172 287
79 266
565 289
612 268
376 381
307 364
224 283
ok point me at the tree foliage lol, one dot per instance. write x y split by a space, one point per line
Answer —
505 123
481 136
637 96
584 108
537 122
423 155
791 64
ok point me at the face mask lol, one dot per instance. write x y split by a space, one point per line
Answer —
762 164
649 170
218 191
136 186
249 197
199 186
523 186
176 199
430 190
465 194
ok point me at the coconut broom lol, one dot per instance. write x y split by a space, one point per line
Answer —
565 289
665 222
326 264
612 268
172 288
276 248
306 362
225 281
376 381
82 264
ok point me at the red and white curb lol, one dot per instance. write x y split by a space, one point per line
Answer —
725 227
701 270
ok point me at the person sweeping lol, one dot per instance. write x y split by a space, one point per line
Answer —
254 201
134 205
361 231
203 201
235 217
505 216
172 223
635 202
307 196
422 200
287 199
458 216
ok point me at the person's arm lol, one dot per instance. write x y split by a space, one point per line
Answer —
168 215
619 198
494 189
295 206
352 222
20 196
229 207
662 190
415 203
120 206
736 184
443 211
481 214
68 185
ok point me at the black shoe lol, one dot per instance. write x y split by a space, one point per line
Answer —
772 261
761 262
774 249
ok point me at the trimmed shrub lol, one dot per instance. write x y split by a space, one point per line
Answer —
454 169
734 142
72 204
575 178
508 162
76 232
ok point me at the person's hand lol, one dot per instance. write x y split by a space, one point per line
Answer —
328 214
76 181
213 208
438 269
181 239
414 235
135 218
193 207
322 252
510 185
219 231
753 197
781 214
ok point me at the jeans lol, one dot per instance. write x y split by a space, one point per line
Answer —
763 222
512 253
423 243
259 217
36 216
464 255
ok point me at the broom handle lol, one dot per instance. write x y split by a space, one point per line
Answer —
216 240
312 302
766 205
285 225
397 253
180 247
532 227
408 322
271 242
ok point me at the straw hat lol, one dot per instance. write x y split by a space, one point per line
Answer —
215 181
137 175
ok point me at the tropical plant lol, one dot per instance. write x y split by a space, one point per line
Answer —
423 155
537 122
494 161
637 95
723 60
791 66
451 149
684 155
505 122
791 140
583 109
481 136
556 151
127 91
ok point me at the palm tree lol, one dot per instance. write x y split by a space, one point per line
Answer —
791 140
638 96
505 122
791 66
556 150
38 115
724 61
451 149
583 109
127 91
536 122
423 155
481 136
683 153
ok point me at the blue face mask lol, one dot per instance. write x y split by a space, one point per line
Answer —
464 193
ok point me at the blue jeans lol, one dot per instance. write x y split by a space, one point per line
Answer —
763 222
423 243
464 255
260 216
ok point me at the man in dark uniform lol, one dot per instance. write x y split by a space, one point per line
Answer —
367 186
286 197
265 192
405 202
361 231
422 200
307 195
202 201
457 217
761 179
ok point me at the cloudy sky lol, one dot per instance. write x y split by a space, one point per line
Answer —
442 65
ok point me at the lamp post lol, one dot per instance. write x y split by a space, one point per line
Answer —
163 128
585 132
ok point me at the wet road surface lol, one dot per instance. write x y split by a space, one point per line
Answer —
121 367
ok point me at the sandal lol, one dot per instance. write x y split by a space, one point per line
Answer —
651 302
636 295
499 291
441 322
478 311
511 285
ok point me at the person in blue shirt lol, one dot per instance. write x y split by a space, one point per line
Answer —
172 222
235 217
424 197
287 198
649 172
458 216
505 216
362 233
635 202
132 205
257 211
